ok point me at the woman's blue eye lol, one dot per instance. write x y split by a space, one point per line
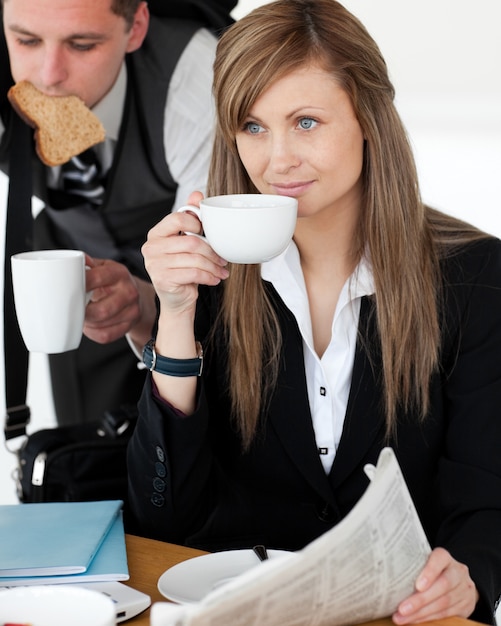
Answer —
253 128
307 122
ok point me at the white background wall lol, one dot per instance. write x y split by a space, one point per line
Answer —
444 58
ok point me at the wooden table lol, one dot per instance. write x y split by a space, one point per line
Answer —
149 559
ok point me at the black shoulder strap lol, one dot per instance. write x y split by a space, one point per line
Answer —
5 75
214 14
18 238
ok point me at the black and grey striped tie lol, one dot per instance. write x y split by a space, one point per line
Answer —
81 176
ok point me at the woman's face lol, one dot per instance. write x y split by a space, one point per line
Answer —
302 139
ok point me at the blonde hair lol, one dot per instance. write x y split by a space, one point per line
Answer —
403 238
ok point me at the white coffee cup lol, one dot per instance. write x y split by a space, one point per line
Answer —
50 298
56 605
247 228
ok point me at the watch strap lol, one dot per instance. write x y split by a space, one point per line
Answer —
172 367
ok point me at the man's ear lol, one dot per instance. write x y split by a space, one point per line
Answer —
139 27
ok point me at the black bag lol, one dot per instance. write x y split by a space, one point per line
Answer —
77 463
214 14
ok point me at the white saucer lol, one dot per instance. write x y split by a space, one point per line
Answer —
58 605
191 580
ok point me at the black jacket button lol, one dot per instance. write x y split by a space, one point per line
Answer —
325 512
157 499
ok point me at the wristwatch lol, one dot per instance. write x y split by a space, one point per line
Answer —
172 367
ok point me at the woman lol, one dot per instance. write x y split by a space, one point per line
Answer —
379 325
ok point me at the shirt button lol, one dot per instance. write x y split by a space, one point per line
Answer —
323 391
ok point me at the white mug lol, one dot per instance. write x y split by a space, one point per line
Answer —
50 298
56 605
247 228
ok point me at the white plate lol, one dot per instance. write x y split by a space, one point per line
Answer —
191 580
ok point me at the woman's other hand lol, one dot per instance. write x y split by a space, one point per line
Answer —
443 589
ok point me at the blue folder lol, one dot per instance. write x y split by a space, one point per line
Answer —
55 538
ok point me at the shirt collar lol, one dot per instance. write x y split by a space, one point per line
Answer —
284 271
110 108
286 275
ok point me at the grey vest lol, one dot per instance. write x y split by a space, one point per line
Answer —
140 189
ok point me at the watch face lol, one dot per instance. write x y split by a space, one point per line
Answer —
148 354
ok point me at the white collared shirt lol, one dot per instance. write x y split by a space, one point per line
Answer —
328 378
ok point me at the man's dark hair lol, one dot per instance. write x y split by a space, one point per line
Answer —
126 9
213 13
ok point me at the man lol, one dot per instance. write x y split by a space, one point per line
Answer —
148 79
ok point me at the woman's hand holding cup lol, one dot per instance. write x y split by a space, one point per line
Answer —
177 264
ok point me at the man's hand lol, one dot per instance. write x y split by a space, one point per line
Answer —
120 303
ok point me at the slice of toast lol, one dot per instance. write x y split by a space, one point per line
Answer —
64 126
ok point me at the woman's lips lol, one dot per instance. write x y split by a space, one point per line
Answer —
292 189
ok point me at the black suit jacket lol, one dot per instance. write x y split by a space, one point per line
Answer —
190 482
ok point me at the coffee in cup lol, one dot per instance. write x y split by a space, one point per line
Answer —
50 298
247 228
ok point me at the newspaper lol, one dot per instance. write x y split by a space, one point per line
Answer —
358 571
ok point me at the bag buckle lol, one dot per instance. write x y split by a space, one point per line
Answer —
116 422
16 420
